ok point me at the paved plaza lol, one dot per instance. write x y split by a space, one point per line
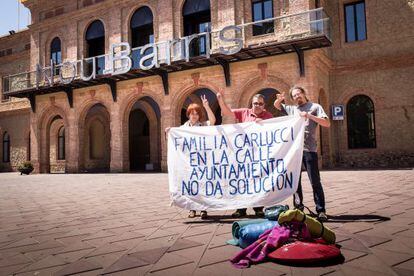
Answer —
122 224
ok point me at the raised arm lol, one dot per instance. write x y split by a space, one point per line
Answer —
279 100
225 110
210 114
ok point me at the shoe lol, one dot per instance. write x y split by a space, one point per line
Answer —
203 214
259 213
192 214
322 217
238 214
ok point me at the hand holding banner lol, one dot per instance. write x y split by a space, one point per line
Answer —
235 166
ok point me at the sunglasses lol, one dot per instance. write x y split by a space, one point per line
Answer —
259 104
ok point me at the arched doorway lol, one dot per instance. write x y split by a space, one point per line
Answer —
144 132
361 123
50 122
195 97
270 97
96 139
57 145
6 148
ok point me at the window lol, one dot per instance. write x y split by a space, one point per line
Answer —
361 123
197 19
261 10
95 45
56 53
355 26
142 33
6 147
61 144
317 24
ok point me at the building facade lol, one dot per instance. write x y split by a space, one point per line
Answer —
91 85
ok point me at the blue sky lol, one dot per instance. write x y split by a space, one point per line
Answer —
9 16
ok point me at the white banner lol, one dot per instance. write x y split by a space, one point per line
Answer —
235 166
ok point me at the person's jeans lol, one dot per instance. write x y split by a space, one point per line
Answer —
256 209
310 162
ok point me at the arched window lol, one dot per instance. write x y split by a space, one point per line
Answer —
95 44
361 122
61 144
97 140
56 53
197 19
6 147
261 10
142 33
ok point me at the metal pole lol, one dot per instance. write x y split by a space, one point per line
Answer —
18 15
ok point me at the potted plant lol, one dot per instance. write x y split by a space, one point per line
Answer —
25 168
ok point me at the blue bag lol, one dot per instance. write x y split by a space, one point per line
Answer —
250 233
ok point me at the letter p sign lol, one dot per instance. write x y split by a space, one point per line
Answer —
337 112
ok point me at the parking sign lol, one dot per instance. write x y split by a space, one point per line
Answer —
337 112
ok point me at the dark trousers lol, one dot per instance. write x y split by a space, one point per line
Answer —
254 208
310 162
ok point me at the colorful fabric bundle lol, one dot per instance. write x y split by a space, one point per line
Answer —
237 225
316 228
268 242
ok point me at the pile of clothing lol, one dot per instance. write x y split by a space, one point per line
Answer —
285 236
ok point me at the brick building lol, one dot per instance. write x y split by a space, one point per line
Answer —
73 102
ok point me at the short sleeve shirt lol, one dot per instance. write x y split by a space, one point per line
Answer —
310 129
188 124
246 115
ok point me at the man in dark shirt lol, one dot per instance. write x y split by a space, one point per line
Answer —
254 114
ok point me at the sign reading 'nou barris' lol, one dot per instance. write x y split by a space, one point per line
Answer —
120 59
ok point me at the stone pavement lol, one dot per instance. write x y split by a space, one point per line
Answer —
122 224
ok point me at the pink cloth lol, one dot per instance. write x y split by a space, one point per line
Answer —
269 241
246 115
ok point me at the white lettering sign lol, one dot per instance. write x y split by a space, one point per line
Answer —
120 62
235 166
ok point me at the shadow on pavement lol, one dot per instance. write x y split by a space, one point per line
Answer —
357 218
324 263
220 219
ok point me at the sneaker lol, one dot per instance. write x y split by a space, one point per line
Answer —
322 217
238 214
192 214
203 214
259 213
